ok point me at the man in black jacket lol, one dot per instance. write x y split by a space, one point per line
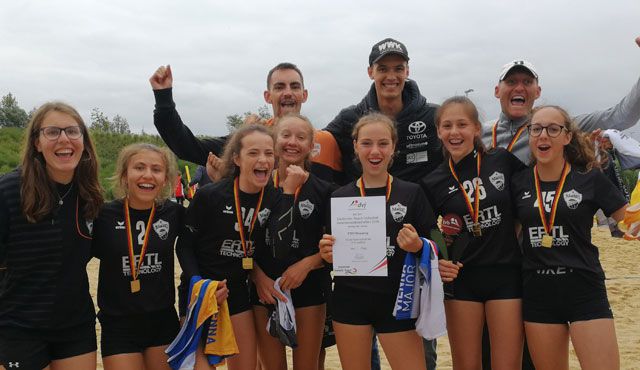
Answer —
418 150
392 93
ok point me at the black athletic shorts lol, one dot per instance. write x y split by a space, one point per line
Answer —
486 283
310 293
36 348
135 333
356 307
561 295
238 296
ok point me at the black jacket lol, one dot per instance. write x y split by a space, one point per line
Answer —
418 150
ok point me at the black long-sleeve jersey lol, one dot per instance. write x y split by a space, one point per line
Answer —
584 192
157 270
305 218
45 285
498 244
210 244
407 204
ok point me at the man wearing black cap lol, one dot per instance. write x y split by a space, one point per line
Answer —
518 88
393 94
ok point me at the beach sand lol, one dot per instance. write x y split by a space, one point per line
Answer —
619 258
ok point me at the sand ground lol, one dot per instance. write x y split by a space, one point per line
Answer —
620 260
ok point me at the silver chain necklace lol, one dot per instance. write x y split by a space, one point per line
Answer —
61 198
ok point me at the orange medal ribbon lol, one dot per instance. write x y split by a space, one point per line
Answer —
135 282
474 211
276 183
247 262
494 136
547 240
360 184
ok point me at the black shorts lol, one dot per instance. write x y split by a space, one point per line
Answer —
310 293
36 348
238 296
357 307
486 283
561 295
135 333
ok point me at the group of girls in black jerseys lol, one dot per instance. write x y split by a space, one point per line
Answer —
269 218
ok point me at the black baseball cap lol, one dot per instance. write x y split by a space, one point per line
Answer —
386 47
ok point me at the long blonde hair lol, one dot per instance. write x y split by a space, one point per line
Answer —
37 190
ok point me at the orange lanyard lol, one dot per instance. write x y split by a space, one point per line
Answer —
548 224
276 183
132 263
360 184
473 210
236 198
494 136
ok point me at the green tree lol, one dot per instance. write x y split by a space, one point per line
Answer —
120 125
100 121
236 120
11 115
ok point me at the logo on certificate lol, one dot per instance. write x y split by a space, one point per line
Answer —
358 204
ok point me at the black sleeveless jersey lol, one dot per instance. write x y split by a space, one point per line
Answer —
407 204
584 192
157 289
498 244
304 219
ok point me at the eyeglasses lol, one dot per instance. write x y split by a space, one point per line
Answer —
553 130
53 132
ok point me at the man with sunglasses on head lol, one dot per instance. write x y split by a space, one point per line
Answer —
518 88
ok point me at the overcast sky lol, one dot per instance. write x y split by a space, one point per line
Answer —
101 53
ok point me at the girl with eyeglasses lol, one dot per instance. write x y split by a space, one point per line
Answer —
564 294
47 207
471 191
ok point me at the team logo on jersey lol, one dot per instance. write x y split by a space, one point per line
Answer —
398 211
161 227
120 225
527 194
228 210
306 208
263 216
453 189
89 224
572 198
497 180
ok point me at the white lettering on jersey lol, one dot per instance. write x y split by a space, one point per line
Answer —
453 189
418 157
295 243
150 265
497 180
488 217
233 248
228 210
526 194
469 188
245 217
120 225
391 249
560 239
547 197
572 198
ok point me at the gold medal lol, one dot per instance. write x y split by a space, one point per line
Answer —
477 231
135 286
547 241
247 263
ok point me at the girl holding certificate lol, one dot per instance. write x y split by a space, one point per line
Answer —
47 206
225 227
361 303
564 293
470 190
133 238
301 269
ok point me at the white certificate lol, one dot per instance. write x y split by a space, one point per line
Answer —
360 228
